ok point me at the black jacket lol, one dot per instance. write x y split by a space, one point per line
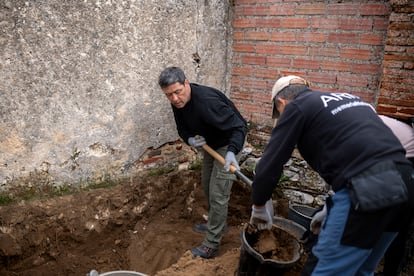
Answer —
211 114
336 133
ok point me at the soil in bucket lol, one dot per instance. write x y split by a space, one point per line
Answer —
267 252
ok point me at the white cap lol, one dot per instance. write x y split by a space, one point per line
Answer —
282 83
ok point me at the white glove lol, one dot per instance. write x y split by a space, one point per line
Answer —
197 141
261 218
269 207
316 222
231 160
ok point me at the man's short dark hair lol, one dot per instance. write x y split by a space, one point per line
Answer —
171 75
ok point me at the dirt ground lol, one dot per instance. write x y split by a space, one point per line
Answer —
143 224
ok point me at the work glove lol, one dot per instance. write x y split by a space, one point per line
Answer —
231 160
316 222
261 218
197 141
269 207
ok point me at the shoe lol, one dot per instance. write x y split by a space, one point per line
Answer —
204 252
202 228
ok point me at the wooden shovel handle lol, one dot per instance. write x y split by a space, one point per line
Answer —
233 169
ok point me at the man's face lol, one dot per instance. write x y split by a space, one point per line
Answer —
178 94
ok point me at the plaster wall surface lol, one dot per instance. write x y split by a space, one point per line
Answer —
79 99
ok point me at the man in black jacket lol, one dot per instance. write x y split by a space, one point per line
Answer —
205 115
343 139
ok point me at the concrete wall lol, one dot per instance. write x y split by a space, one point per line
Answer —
78 81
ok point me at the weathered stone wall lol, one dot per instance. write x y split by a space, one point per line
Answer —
78 81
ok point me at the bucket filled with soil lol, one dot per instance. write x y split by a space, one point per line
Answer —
267 252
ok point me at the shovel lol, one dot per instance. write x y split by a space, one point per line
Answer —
233 169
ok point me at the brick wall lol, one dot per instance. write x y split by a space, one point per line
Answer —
396 97
338 46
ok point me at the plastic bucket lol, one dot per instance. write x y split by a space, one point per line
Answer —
301 214
252 262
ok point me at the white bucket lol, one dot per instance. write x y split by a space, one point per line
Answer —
117 273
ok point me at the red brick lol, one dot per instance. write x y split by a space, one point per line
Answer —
249 59
335 65
254 84
313 37
324 23
354 53
311 9
267 23
372 39
292 72
375 9
386 109
352 80
242 71
343 38
278 61
294 23
324 51
343 9
256 10
269 73
400 17
282 9
399 41
404 27
243 47
267 49
395 56
380 24
396 49
322 77
241 95
258 97
306 63
370 68
293 49
244 23
256 35
283 36
397 64
359 24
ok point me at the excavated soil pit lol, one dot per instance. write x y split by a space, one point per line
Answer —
144 225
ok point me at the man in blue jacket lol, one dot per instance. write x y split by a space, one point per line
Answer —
343 139
205 115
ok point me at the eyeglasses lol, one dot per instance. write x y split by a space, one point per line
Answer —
176 92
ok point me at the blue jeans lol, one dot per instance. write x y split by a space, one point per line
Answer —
336 259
